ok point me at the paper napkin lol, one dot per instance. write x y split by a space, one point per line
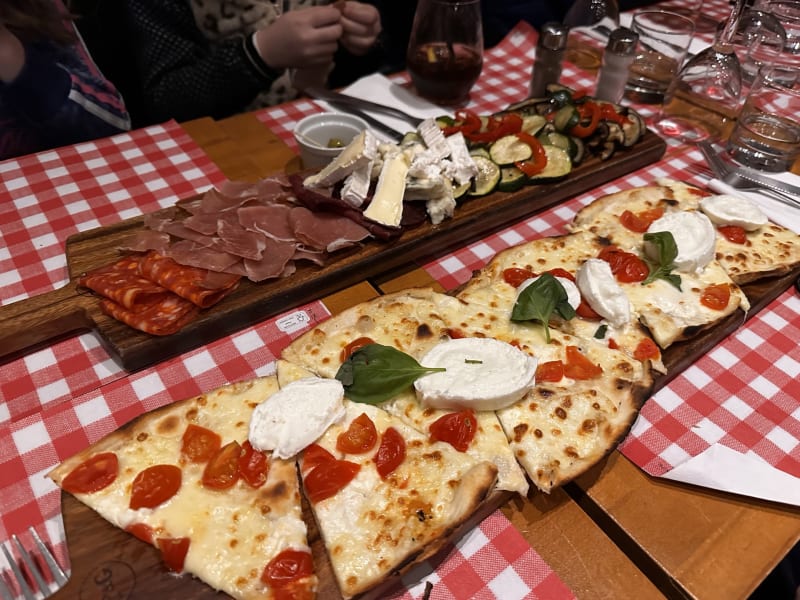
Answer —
380 89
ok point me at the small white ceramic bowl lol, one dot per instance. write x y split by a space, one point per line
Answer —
313 133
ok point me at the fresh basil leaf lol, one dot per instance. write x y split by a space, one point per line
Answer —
540 300
472 361
375 373
601 332
667 252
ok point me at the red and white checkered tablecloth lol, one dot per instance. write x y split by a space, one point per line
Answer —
56 401
742 394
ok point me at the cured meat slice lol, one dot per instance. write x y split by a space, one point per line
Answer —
318 257
271 219
235 239
191 283
191 254
275 260
122 283
158 315
325 231
266 189
144 240
180 231
205 223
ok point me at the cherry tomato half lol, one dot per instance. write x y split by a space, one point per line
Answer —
287 567
552 371
716 297
93 474
360 436
626 266
356 344
199 444
173 552
155 485
222 471
253 465
578 366
646 349
324 480
641 221
391 453
457 429
515 276
733 233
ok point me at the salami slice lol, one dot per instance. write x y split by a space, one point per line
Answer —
192 283
122 283
156 315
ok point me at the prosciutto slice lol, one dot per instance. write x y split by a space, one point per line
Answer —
325 231
195 255
275 261
272 220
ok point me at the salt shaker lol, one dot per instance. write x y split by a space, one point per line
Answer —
617 57
549 54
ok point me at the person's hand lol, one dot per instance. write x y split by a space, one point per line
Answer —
300 38
12 55
361 24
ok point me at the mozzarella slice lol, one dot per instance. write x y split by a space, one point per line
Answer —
573 293
481 373
726 209
694 236
296 415
599 287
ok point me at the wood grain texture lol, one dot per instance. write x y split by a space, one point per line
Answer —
250 303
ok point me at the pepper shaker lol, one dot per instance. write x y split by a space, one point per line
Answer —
549 54
617 57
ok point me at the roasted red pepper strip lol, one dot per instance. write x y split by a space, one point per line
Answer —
538 160
496 128
608 113
466 121
589 110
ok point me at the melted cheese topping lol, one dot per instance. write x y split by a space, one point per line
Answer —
233 533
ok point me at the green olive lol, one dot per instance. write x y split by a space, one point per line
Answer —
335 143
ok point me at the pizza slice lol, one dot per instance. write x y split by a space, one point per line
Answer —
386 496
412 321
585 398
747 245
185 479
497 286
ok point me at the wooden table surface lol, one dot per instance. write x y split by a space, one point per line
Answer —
616 532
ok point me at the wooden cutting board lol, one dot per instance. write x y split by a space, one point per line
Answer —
106 560
42 319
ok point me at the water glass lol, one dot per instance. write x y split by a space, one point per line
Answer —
445 50
788 13
767 132
664 39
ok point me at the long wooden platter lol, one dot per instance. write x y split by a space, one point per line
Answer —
106 559
34 321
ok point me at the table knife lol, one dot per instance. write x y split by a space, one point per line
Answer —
392 134
360 103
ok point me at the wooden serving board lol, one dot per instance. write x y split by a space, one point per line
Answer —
108 562
32 322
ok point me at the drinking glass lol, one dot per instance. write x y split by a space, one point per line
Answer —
445 50
703 100
582 50
767 133
664 39
788 13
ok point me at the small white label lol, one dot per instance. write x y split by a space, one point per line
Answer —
293 321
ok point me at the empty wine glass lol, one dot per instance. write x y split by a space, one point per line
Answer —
703 100
584 51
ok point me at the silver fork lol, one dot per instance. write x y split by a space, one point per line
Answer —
728 173
36 572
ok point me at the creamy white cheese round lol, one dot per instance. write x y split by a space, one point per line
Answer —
694 236
600 289
296 415
481 373
726 209
573 294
